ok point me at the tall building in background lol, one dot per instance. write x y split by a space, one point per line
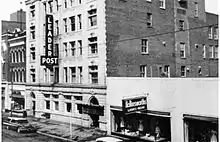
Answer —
95 39
19 16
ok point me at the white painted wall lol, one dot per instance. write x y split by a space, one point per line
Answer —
196 96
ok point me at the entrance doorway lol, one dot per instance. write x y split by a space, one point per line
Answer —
94 117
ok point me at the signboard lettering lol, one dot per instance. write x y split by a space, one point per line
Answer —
134 104
49 60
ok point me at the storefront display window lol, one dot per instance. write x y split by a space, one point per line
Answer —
200 130
141 125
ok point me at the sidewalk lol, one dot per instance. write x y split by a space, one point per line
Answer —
60 129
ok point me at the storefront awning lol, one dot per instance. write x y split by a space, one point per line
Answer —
202 118
92 109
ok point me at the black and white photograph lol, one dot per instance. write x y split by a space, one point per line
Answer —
109 70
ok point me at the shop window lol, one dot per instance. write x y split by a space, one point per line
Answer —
47 102
68 107
72 23
93 71
200 130
142 126
93 46
73 48
92 16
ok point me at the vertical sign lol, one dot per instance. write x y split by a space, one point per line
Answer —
49 60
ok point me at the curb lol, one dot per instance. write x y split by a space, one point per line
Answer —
57 137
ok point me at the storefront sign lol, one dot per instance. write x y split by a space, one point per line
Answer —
134 104
92 109
49 60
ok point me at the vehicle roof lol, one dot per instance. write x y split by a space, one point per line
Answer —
17 118
109 139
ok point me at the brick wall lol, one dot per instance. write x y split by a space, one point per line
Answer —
127 20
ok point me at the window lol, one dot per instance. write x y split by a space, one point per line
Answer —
80 98
144 46
73 74
47 102
93 45
143 71
181 25
80 74
72 23
183 71
80 1
57 27
216 51
79 22
32 32
56 50
162 4
65 49
32 50
56 74
65 25
57 6
182 50
65 4
73 48
204 51
148 0
211 52
50 6
93 71
196 9
45 74
56 105
32 11
51 76
149 19
210 32
80 46
216 33
65 74
67 97
92 16
68 107
33 79
71 3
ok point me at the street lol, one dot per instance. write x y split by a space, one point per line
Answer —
13 136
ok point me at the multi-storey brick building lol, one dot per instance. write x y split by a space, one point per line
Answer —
95 39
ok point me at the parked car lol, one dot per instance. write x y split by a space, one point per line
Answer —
108 139
18 124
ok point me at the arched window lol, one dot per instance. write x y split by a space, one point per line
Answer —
94 101
32 95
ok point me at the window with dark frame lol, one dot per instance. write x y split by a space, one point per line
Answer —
56 105
183 71
79 21
32 11
56 49
73 48
181 25
57 27
65 49
32 51
80 69
211 51
210 32
47 104
72 23
33 76
80 46
149 19
144 46
143 71
182 50
65 4
65 74
93 46
93 71
50 3
204 51
162 4
56 74
196 9
73 74
65 25
92 16
216 51
32 31
68 107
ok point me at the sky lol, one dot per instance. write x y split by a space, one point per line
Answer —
9 6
